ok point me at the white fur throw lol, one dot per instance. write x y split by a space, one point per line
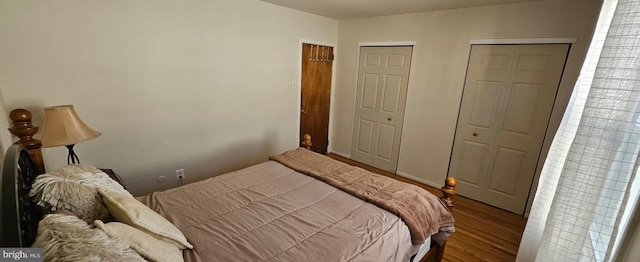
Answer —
75 188
67 238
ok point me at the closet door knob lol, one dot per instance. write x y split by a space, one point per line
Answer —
475 134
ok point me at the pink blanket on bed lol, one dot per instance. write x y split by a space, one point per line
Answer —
424 213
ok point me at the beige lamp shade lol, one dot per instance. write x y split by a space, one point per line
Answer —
64 127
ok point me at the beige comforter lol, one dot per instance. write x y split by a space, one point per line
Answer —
269 212
424 213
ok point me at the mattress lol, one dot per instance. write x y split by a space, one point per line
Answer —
269 212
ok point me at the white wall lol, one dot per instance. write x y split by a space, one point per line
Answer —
199 85
5 137
439 66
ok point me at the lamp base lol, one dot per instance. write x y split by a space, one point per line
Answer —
72 157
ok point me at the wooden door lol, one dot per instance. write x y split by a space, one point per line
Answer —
507 101
317 62
381 94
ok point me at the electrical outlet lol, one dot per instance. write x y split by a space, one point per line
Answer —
180 174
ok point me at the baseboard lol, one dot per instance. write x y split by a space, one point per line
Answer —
348 156
429 183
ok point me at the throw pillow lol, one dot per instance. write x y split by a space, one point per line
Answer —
74 188
130 211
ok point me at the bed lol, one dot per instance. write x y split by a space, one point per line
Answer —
297 206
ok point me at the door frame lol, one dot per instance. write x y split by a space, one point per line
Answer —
554 118
297 84
380 44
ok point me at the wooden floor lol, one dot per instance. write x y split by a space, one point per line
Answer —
483 232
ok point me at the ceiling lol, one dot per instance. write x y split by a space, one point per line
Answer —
350 9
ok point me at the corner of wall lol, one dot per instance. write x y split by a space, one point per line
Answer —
5 136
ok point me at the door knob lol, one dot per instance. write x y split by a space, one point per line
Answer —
389 119
475 134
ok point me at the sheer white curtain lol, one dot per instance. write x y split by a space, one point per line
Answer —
588 185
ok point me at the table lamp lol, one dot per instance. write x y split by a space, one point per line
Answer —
63 127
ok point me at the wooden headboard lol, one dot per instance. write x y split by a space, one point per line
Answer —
23 162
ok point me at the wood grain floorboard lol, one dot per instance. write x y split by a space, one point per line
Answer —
483 232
